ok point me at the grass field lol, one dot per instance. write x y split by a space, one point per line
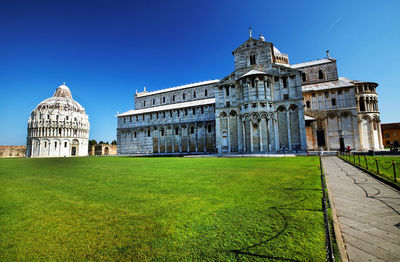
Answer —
384 164
141 209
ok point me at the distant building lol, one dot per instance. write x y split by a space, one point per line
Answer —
12 151
102 150
58 127
391 134
264 105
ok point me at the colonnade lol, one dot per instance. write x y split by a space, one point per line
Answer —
171 138
57 132
261 131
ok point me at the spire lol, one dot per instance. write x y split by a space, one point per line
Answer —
250 32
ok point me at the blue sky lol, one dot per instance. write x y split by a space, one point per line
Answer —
105 50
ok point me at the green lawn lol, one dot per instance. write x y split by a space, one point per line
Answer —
384 164
116 208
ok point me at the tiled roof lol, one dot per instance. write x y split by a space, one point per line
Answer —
312 63
178 88
253 72
390 126
342 82
201 102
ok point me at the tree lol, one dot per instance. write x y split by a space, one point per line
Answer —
114 142
101 142
92 142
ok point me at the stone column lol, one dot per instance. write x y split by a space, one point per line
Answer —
270 135
371 128
251 135
327 134
276 134
173 136
187 138
229 132
205 137
361 135
244 135
302 129
165 139
196 130
158 140
238 120
180 140
218 133
288 129
261 137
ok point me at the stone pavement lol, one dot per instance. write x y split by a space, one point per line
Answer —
368 212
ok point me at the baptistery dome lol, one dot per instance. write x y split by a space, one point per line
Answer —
58 127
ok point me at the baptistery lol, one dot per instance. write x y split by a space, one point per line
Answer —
58 127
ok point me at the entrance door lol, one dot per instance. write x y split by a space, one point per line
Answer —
73 151
320 138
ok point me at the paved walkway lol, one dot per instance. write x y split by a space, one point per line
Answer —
368 212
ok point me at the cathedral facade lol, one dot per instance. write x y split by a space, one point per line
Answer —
58 127
265 105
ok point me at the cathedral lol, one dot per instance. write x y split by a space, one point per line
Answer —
265 105
58 127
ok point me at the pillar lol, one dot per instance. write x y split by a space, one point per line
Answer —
276 134
251 136
288 128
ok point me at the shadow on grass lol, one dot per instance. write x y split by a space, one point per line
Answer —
245 251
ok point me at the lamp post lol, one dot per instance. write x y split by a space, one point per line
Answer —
341 140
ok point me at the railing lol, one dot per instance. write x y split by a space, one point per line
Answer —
389 170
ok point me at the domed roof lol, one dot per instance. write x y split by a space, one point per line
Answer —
276 51
62 99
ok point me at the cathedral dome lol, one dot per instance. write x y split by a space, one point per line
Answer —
276 51
61 100
58 126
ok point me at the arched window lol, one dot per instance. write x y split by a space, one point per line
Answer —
144 103
304 77
162 132
194 111
333 101
185 111
148 132
320 74
209 128
65 144
183 96
173 98
154 101
205 93
163 99
202 110
308 104
55 144
192 130
362 105
134 134
194 94
176 131
252 59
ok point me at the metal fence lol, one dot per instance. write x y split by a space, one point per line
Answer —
386 169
